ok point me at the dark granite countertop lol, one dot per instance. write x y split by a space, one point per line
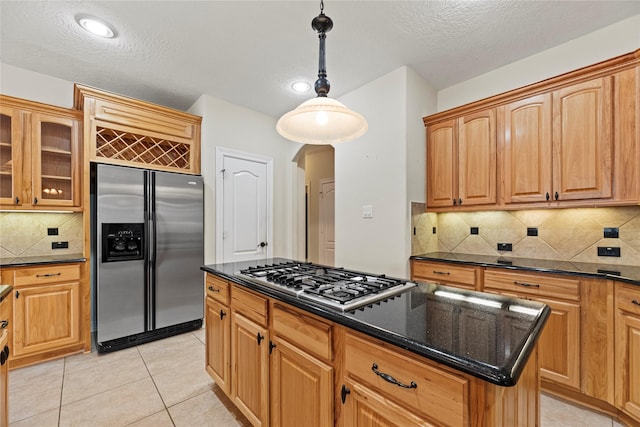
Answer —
4 291
487 336
38 260
623 273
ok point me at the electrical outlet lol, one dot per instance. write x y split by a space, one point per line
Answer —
474 230
59 245
505 247
532 231
609 251
367 211
52 231
611 232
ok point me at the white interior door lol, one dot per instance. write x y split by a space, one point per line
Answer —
243 206
326 221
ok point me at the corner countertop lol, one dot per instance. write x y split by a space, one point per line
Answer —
41 260
484 335
622 273
4 291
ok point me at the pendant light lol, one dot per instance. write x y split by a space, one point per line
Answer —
321 120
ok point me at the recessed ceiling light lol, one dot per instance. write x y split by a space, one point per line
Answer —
300 87
96 26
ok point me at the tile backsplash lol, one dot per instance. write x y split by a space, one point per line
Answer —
24 234
563 234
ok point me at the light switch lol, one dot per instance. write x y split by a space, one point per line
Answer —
367 211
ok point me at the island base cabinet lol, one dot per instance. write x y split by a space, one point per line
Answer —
301 388
364 407
250 367
218 349
628 351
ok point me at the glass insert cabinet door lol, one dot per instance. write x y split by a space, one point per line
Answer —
10 157
55 160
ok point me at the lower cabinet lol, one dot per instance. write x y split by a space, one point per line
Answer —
364 407
628 350
218 348
559 344
5 324
301 388
250 368
46 310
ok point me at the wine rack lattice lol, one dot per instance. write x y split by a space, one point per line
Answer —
120 145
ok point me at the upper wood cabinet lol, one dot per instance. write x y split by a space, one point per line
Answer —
126 131
461 161
569 141
40 156
582 140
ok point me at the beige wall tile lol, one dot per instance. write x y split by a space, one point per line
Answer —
563 234
24 234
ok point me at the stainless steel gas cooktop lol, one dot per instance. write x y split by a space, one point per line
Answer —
334 287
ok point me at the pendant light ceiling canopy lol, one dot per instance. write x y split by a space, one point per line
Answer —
321 120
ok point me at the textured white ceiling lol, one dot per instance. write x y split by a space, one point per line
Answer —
249 52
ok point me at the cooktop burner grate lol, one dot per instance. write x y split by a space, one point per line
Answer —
335 287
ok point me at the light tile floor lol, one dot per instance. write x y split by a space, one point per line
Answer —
160 384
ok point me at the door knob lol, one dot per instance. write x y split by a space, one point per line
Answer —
262 244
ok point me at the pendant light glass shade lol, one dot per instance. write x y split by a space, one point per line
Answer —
321 120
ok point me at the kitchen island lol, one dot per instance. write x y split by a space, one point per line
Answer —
430 355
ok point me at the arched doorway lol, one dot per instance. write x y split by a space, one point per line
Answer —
315 170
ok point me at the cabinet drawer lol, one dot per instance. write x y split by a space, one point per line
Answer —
437 394
218 289
304 331
445 273
50 274
628 298
532 284
249 304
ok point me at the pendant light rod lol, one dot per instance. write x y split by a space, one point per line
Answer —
322 24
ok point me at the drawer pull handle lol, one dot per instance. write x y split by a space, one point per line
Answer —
213 290
388 378
445 273
48 275
528 285
635 301
4 324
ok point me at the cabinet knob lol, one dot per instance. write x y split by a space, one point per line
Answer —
35 200
635 302
455 202
344 392
547 196
17 200
4 324
260 338
222 314
460 201
556 195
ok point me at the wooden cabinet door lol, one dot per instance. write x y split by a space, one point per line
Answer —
218 348
582 140
4 379
47 317
442 168
477 171
527 150
628 364
559 344
250 368
301 388
11 157
55 161
364 407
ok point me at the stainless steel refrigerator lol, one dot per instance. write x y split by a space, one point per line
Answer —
148 246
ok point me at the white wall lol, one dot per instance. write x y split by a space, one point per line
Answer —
608 42
231 126
374 170
33 86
